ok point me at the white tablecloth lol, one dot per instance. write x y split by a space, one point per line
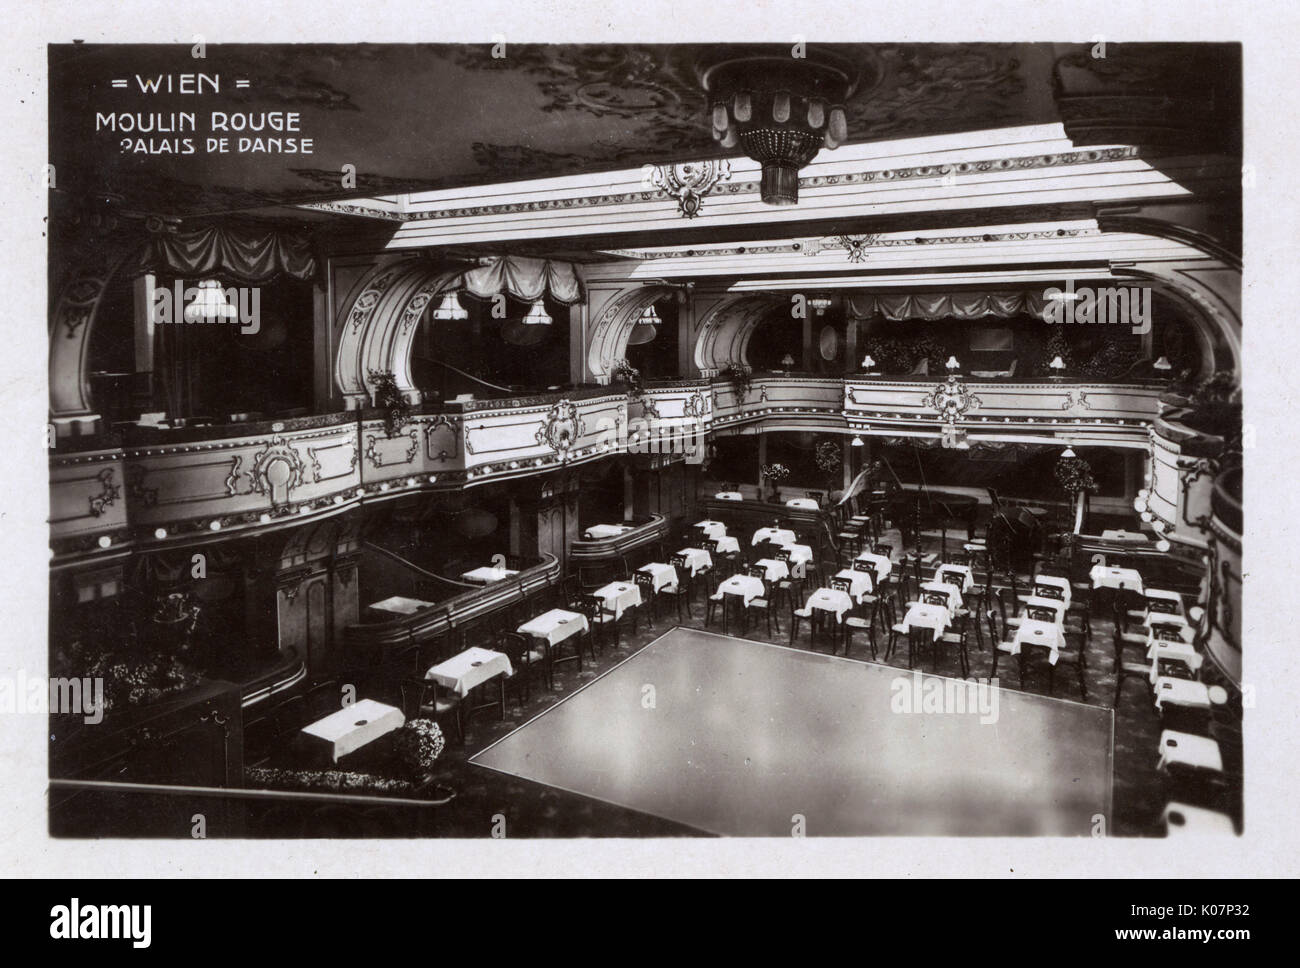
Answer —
554 626
1053 581
729 496
883 565
952 591
665 576
807 503
400 606
727 544
1181 692
859 582
1058 608
961 573
696 558
778 536
776 570
1175 651
487 575
1188 749
831 600
1109 577
894 538
1185 632
618 596
712 529
352 727
470 668
598 531
800 554
746 586
928 616
1167 596
1034 632
1135 536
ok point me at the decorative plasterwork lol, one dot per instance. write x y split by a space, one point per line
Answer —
377 459
1089 156
855 246
280 459
108 493
690 182
952 400
562 428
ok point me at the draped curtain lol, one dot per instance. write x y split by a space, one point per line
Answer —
525 279
943 305
248 255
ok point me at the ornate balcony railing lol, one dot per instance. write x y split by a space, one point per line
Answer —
149 488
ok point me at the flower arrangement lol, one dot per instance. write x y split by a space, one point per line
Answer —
740 377
418 744
829 460
323 781
775 473
134 680
1216 406
390 399
1074 474
625 371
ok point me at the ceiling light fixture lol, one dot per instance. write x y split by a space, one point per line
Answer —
820 304
450 309
537 316
1162 364
779 109
857 441
210 304
646 328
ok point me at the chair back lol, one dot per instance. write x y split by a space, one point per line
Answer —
950 577
646 583
1040 613
414 694
1055 592
757 571
920 636
841 584
783 554
709 545
884 550
1166 632
678 561
935 598
1166 606
860 565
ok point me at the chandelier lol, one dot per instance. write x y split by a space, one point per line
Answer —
646 328
210 304
450 309
780 108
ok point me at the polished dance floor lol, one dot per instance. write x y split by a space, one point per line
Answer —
736 737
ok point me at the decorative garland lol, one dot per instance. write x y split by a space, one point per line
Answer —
390 399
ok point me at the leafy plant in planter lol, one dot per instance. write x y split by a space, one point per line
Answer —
1215 407
1113 360
387 397
774 474
630 375
829 461
741 378
1074 474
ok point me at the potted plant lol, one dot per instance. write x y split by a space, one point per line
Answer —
390 399
629 375
1074 474
774 474
829 462
740 376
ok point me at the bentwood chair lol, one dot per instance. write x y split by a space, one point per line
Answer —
1073 655
857 622
425 699
764 604
649 597
527 659
683 587
955 636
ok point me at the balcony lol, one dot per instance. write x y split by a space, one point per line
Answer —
147 487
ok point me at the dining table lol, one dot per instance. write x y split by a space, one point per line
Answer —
778 536
1165 651
945 588
729 496
861 583
1033 632
598 532
1188 750
775 568
712 529
965 579
1109 576
925 615
662 575
727 544
697 559
555 626
400 605
882 564
468 670
488 574
1057 582
348 729
831 600
618 597
803 503
747 587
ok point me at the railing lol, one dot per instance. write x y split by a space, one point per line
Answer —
375 638
153 488
593 550
98 808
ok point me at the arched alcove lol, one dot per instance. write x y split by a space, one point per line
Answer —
609 333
